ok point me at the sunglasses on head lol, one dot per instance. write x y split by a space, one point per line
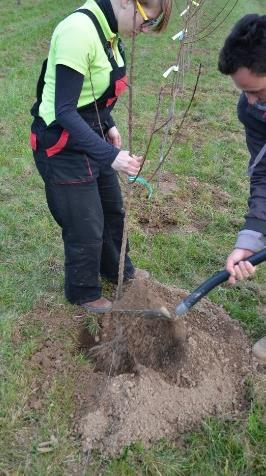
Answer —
149 22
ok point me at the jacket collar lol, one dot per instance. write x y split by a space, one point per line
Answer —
107 9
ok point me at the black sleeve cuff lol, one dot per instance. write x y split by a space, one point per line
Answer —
109 122
255 224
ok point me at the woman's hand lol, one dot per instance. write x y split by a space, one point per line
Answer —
241 270
126 163
114 137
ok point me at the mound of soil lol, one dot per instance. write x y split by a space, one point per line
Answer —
145 378
154 378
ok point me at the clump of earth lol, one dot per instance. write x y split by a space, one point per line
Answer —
155 378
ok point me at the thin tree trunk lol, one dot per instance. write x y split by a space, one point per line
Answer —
129 191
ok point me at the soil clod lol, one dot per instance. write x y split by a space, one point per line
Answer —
163 377
144 379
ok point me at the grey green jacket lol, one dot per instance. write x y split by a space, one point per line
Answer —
253 234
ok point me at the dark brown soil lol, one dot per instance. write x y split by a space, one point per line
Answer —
145 378
163 377
134 341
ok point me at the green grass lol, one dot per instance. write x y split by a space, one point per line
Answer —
212 149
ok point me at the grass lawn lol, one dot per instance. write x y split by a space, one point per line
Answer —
209 161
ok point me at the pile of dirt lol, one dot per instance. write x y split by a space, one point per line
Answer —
145 378
158 378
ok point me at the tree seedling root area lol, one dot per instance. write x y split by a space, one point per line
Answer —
158 378
129 378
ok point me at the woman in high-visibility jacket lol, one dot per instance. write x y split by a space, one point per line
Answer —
75 142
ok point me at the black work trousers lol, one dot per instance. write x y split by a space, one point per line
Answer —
85 200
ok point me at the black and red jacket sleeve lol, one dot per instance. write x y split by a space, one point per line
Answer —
67 92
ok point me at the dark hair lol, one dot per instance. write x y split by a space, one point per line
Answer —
245 46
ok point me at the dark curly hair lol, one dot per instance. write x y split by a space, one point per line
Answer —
245 46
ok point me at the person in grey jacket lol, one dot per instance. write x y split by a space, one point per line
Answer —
243 57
